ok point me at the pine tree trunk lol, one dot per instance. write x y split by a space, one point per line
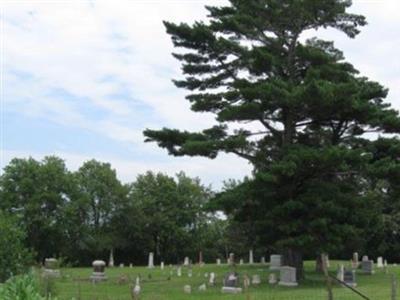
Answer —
294 258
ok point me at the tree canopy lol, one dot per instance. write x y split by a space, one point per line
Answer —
296 110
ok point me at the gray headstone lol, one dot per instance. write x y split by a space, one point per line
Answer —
98 271
231 290
349 278
287 276
231 279
275 262
367 267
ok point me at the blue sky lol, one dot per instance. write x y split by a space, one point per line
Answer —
82 80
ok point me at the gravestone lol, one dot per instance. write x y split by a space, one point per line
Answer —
151 260
241 261
256 280
287 276
367 267
379 262
51 268
251 258
98 271
231 260
136 289
187 289
131 265
190 273
218 261
212 279
203 287
162 265
355 261
340 273
275 262
246 281
365 258
179 272
231 283
349 278
111 259
272 278
231 279
263 259
121 265
186 261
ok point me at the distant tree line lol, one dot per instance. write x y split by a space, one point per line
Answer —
81 216
48 211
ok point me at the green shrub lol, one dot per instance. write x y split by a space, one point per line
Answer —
23 287
14 257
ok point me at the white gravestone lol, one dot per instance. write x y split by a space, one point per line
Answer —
365 258
272 278
179 272
231 260
379 262
218 261
111 260
187 289
241 261
162 265
212 279
251 257
275 262
136 289
287 276
263 259
186 261
202 288
256 280
151 260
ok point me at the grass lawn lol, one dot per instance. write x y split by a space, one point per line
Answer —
156 284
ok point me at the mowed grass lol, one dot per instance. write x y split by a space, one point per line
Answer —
157 284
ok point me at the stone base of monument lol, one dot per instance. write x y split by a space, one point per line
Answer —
52 273
283 283
98 276
231 290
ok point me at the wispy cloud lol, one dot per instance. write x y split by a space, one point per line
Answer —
105 68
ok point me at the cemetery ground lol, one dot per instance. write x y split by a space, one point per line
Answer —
160 284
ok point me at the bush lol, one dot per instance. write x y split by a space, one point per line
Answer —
23 287
14 257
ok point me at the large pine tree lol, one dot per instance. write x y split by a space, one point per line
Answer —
297 111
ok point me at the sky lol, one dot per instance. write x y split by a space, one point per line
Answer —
83 79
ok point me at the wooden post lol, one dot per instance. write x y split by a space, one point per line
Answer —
328 279
394 287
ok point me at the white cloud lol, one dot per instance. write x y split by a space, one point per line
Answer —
106 67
